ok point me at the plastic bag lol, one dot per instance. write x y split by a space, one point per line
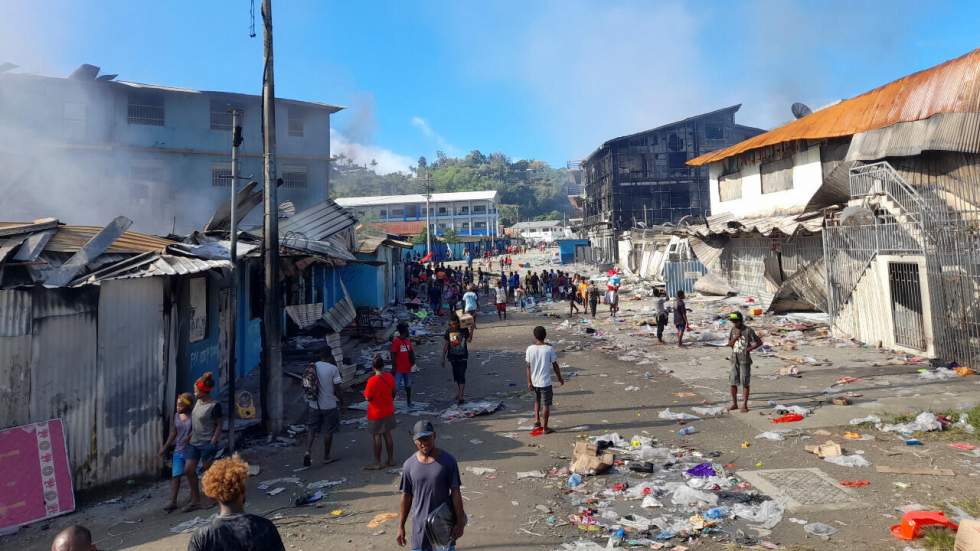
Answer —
667 414
820 530
650 502
709 411
924 422
648 453
684 495
769 435
869 419
848 461
768 513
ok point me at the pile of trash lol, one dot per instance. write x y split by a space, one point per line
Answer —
636 492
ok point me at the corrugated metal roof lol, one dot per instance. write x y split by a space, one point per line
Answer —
536 224
401 228
416 198
769 226
328 247
69 239
152 265
951 87
317 222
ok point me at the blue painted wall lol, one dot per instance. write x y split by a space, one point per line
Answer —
566 249
365 283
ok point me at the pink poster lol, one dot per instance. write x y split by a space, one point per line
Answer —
35 480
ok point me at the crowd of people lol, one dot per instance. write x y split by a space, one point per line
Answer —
430 481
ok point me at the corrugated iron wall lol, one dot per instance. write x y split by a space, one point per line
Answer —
681 276
99 359
132 372
15 357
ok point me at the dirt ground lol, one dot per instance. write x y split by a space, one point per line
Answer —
507 513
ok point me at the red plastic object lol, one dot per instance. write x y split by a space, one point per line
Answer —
788 418
854 483
914 521
537 431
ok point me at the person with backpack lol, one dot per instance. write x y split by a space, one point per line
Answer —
321 384
402 360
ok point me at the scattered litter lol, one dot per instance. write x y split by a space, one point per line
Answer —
266 484
667 414
913 522
873 419
190 525
320 484
529 474
480 471
963 446
788 418
380 519
855 483
768 513
924 422
470 409
686 431
704 470
820 530
825 450
687 496
769 435
848 461
276 491
716 411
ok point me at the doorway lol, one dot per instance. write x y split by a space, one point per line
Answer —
906 293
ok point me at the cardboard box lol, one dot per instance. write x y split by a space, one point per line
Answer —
968 536
465 320
586 459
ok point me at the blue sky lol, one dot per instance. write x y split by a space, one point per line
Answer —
549 80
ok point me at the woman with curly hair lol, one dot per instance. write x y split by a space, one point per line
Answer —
233 529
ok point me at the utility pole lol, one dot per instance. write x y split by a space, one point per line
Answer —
427 187
271 316
236 141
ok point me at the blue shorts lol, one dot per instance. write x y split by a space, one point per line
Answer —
202 453
403 380
177 464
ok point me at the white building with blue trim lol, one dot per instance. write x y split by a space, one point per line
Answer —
472 213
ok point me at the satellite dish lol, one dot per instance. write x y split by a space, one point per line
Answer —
800 110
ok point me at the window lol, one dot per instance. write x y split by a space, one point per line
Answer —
297 116
294 177
480 225
479 209
777 175
714 132
145 108
442 211
221 118
462 210
221 175
730 187
677 160
398 212
383 212
465 228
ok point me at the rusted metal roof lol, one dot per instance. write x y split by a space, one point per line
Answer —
401 228
951 87
769 226
69 239
317 222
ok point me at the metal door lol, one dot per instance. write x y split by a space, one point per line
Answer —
906 292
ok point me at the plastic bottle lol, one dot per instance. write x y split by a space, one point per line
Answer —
574 480
687 430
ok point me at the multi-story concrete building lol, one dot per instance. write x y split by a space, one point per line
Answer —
540 231
644 177
88 148
466 212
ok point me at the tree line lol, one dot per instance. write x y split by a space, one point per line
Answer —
527 189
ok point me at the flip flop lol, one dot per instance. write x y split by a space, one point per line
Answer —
537 431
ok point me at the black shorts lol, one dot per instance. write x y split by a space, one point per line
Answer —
322 420
459 370
544 395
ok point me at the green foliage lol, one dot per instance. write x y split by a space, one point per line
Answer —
421 237
449 235
527 190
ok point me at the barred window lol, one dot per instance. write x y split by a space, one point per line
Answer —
221 118
221 176
145 108
294 177
296 118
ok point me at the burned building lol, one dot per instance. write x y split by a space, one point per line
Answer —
644 177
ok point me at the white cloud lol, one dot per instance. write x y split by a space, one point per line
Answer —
426 129
388 161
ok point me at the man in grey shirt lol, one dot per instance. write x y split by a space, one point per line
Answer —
430 478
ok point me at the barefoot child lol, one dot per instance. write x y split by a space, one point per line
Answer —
680 317
541 360
380 395
743 341
180 434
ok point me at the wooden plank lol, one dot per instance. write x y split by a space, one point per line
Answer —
913 470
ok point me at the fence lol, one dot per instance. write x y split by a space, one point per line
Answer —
928 253
680 276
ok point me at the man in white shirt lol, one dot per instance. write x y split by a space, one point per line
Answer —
541 360
501 300
470 304
323 414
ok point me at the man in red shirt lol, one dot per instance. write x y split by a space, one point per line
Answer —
402 360
380 395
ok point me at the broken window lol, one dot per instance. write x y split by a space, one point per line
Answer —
677 160
145 108
777 175
294 177
675 142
